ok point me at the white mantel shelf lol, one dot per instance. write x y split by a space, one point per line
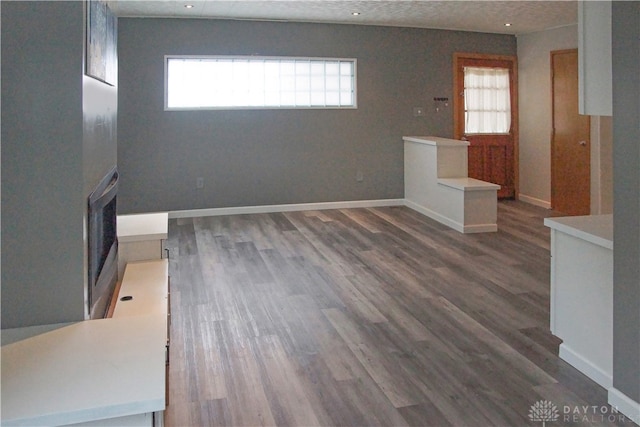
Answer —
90 370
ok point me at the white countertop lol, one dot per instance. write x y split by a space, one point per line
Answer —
596 229
435 140
139 227
90 370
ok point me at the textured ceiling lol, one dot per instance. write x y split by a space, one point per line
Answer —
482 16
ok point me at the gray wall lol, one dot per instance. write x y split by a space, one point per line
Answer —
626 158
280 156
58 139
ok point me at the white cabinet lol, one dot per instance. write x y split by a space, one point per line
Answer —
582 293
594 58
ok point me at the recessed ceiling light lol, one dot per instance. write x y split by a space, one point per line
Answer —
507 24
188 6
355 13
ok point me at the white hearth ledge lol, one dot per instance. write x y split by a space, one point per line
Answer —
85 371
102 372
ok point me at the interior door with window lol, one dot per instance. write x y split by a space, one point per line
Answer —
486 115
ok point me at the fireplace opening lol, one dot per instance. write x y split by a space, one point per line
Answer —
103 245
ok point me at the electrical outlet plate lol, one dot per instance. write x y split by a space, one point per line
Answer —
199 182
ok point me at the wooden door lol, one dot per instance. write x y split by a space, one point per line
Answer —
570 142
492 157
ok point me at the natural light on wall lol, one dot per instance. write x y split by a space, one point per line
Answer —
224 82
487 100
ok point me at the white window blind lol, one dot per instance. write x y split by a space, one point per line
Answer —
487 100
224 82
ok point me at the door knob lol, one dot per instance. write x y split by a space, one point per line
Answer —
583 143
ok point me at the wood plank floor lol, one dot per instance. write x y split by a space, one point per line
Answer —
365 317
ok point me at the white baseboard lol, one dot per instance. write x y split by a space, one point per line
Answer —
534 201
434 215
480 228
585 366
240 210
285 208
466 229
630 408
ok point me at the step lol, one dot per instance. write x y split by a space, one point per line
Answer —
468 184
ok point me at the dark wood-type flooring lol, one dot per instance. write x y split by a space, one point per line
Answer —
365 317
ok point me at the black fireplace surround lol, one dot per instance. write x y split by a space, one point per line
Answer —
103 244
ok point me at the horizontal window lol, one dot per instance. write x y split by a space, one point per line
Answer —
228 82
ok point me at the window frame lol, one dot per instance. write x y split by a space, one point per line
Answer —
354 78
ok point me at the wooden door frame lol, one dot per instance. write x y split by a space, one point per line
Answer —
553 201
458 57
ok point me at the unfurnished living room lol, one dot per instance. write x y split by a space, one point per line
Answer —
329 213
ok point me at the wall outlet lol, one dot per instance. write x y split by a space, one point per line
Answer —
200 182
359 176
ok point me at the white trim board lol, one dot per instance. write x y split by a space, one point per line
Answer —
624 404
239 210
575 359
534 201
461 228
